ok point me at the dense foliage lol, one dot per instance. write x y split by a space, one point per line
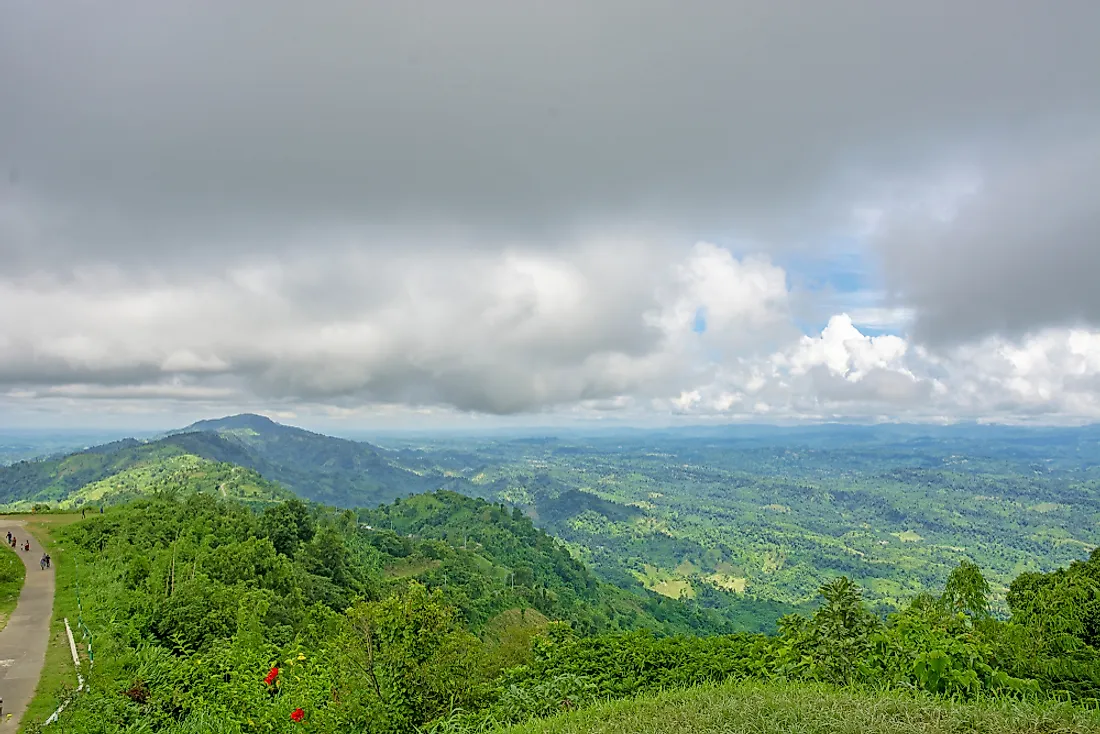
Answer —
316 467
774 512
319 468
747 522
210 616
488 558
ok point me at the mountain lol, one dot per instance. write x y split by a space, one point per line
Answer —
184 473
324 469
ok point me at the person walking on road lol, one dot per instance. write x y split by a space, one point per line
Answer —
42 562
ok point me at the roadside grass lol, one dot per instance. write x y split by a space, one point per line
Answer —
12 575
787 708
58 673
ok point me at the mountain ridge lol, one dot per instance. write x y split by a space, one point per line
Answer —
316 467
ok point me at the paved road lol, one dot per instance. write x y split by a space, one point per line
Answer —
23 640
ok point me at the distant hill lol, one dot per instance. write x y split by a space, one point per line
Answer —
185 473
333 471
324 469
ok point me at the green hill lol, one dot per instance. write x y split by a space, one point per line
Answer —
183 473
55 479
315 467
209 616
333 471
488 558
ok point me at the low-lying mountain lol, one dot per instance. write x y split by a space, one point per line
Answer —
123 470
325 469
184 473
320 468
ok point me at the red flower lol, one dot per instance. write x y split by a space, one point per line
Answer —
271 676
297 715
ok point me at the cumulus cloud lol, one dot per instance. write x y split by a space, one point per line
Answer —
841 373
519 331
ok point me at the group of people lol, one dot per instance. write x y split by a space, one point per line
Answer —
44 562
26 544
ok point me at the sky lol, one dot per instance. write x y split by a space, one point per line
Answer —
505 212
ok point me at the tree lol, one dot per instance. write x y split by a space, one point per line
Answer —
967 591
415 658
288 524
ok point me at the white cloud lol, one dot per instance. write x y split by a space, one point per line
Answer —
520 330
845 352
1051 376
600 330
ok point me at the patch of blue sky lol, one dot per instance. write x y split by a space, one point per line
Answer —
841 274
840 265
699 324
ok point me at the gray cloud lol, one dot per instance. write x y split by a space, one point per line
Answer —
503 333
143 131
1020 252
490 205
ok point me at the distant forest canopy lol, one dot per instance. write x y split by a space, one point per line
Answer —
212 615
728 516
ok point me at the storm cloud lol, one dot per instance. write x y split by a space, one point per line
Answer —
497 206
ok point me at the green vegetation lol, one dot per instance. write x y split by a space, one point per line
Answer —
184 472
333 471
12 575
733 519
315 467
58 677
854 575
771 513
146 471
487 558
193 600
782 708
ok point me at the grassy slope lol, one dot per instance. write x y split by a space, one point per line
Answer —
13 574
777 708
186 472
57 673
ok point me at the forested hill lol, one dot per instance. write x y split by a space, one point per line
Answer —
488 558
319 468
208 616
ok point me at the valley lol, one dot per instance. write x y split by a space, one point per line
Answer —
773 513
483 581
721 515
